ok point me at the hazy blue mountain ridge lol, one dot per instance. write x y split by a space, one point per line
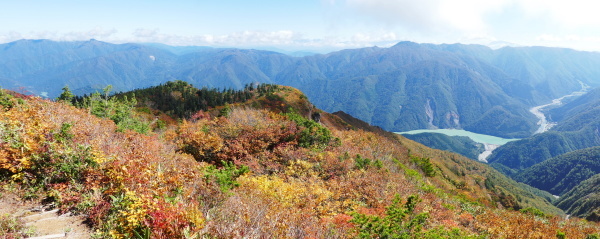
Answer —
404 87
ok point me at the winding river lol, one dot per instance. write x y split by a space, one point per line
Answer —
490 142
544 124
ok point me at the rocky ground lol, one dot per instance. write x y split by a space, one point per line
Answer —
43 221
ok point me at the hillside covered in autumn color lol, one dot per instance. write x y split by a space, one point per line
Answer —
174 161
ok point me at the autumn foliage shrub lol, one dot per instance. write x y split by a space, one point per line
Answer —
252 173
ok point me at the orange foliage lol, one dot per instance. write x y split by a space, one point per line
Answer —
159 184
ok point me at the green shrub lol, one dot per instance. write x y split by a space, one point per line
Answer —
400 221
407 171
425 164
226 176
6 100
312 134
117 109
360 162
561 235
592 236
533 211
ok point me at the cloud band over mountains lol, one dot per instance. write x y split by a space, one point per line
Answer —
323 24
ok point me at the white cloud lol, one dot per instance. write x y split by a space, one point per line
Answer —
233 39
414 15
572 13
578 42
10 36
525 22
145 33
282 39
468 15
428 16
95 33
548 38
363 23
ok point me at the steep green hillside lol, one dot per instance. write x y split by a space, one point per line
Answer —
413 86
562 173
459 144
583 200
579 105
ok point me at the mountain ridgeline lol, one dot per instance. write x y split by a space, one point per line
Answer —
404 87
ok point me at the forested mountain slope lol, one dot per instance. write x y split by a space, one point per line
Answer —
254 168
578 129
562 173
583 200
404 87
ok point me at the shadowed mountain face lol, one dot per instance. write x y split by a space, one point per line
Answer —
404 87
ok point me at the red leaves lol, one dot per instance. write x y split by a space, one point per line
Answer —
142 183
165 221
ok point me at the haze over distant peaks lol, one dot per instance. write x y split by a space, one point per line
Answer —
403 87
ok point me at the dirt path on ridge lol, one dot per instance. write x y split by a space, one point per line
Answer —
43 221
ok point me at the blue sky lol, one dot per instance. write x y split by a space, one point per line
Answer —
316 25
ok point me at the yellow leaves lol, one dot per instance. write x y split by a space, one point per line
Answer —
286 193
17 176
293 193
301 168
22 132
25 163
99 157
195 216
132 215
136 210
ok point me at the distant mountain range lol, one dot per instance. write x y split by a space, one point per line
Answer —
404 87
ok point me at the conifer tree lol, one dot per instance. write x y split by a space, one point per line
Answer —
66 95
